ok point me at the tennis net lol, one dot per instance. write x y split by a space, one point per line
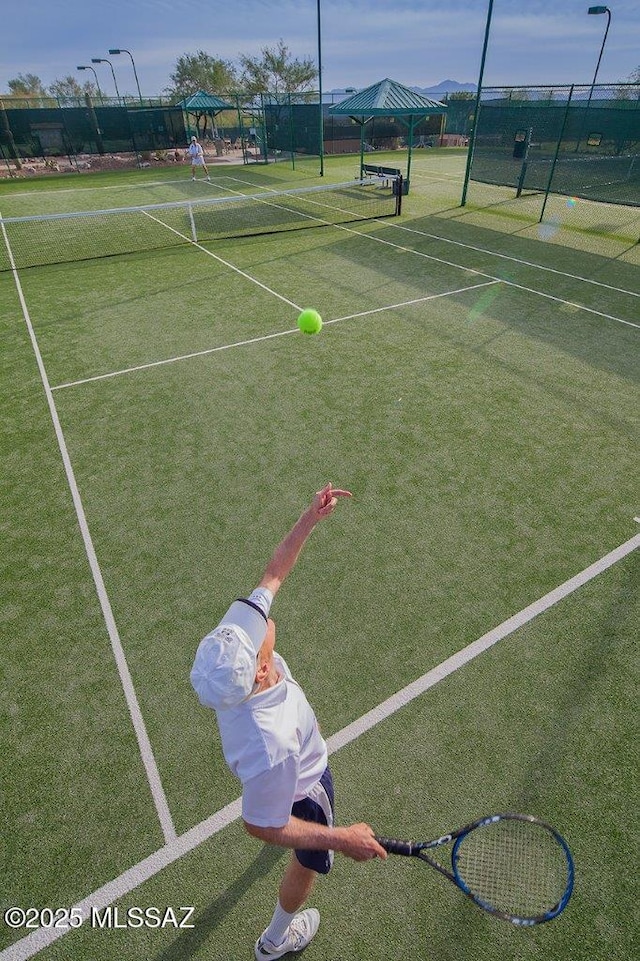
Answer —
67 237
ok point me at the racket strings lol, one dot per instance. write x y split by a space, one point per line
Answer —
517 867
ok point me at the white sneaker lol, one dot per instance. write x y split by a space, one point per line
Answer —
301 930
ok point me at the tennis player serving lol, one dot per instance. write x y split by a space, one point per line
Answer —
272 743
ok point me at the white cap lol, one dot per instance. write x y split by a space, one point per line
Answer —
225 667
193 138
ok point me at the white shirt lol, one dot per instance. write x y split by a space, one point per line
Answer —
272 743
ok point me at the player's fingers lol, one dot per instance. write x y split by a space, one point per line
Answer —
380 852
322 497
327 499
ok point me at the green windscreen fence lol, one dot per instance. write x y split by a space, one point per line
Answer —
292 125
91 129
267 127
580 141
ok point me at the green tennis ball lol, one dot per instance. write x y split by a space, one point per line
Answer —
310 322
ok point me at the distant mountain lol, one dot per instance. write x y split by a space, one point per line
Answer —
446 86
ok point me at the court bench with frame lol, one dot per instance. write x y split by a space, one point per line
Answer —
386 175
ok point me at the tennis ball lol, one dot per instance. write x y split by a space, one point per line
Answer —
310 322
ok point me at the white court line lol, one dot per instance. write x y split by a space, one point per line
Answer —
490 278
220 260
135 876
257 340
146 753
516 260
482 273
440 178
133 186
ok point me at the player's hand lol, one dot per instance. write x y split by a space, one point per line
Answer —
360 843
325 500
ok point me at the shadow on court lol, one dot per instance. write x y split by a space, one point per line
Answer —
580 739
601 675
206 922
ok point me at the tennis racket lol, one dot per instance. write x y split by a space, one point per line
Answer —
514 866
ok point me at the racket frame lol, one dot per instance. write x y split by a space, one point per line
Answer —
419 849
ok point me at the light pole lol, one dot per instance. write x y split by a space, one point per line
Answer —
595 11
96 76
113 73
320 93
476 109
135 73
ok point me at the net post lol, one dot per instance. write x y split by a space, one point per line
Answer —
398 189
7 131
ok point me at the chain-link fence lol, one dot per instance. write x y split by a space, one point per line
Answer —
264 127
579 141
28 133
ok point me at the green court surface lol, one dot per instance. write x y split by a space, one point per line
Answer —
475 385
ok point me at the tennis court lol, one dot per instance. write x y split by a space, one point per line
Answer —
475 386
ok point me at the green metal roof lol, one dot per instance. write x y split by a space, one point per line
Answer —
201 100
387 98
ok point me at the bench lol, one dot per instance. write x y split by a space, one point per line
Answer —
386 174
377 170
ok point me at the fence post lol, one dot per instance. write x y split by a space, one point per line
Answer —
94 123
555 157
8 133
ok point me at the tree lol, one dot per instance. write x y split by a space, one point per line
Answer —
623 93
275 72
200 71
26 85
69 89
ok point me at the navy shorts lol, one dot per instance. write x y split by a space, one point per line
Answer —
317 807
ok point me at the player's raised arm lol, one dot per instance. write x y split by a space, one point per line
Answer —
287 552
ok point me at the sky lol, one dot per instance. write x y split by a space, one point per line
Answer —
415 42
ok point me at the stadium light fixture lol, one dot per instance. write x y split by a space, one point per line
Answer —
113 73
135 72
96 76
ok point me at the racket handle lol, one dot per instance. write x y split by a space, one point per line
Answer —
394 846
